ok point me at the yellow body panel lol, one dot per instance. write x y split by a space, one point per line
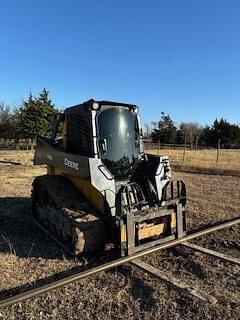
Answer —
94 197
123 233
149 230
173 220
153 230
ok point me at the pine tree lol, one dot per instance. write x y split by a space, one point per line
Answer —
36 115
166 131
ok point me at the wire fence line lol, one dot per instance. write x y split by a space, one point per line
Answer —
13 144
207 159
182 157
181 150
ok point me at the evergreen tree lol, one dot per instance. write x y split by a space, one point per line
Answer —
227 133
166 131
235 136
36 115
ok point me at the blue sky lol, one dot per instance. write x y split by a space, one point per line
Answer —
177 56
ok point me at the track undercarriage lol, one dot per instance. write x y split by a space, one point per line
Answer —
66 217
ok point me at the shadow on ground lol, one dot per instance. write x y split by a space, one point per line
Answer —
139 289
19 234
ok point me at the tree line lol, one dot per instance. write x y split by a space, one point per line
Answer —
32 118
220 132
35 115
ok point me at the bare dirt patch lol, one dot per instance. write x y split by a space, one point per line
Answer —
27 256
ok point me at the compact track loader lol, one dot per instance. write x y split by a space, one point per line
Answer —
101 190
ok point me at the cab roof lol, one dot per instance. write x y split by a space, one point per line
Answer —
90 102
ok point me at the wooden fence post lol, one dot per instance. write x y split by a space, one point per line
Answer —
184 150
197 138
218 150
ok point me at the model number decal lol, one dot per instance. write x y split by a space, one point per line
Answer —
49 156
71 164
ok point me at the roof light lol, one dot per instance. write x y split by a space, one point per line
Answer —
135 110
95 106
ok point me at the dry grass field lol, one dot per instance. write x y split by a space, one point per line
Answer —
23 157
28 258
203 160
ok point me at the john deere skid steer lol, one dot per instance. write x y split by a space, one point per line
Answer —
101 189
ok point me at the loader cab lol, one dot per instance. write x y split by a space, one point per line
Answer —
107 130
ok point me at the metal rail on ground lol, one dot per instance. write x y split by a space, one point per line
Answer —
104 267
213 253
171 281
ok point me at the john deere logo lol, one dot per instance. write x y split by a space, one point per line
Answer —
71 164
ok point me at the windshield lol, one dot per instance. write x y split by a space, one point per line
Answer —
118 140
